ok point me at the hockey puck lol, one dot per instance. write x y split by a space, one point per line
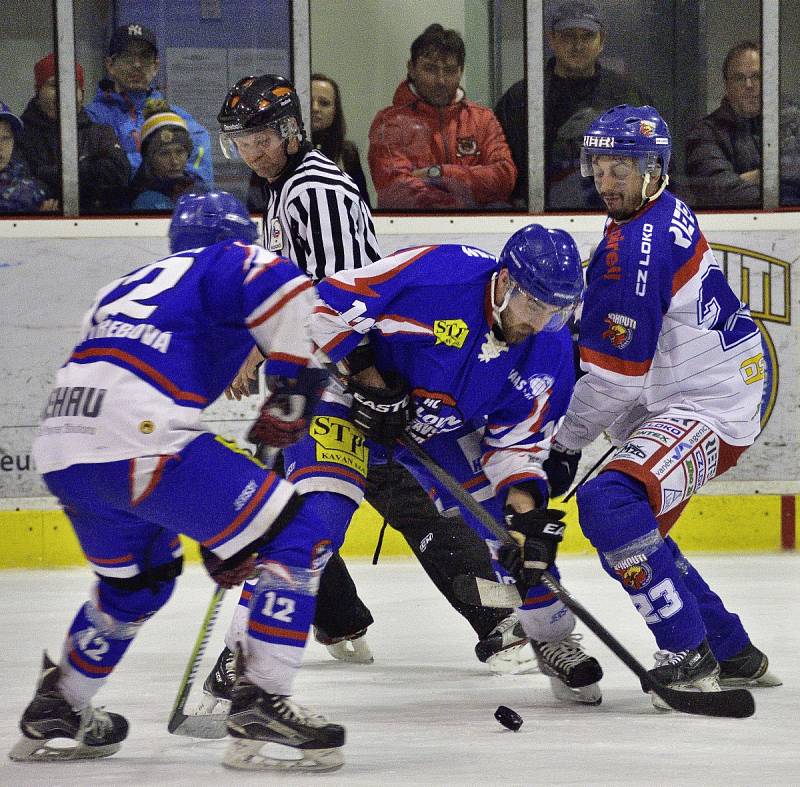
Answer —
508 718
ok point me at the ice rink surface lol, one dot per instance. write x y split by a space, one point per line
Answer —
423 712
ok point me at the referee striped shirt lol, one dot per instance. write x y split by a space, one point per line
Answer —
317 218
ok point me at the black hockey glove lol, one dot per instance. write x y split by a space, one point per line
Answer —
537 534
383 414
286 412
561 467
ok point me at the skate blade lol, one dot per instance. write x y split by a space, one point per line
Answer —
514 660
353 651
585 695
703 684
30 750
247 755
767 680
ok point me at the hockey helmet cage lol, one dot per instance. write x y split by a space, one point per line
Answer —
639 132
546 265
201 220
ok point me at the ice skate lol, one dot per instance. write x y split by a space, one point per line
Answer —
352 648
49 717
749 667
505 649
689 670
271 732
218 686
573 674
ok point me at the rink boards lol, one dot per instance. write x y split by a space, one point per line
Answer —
50 269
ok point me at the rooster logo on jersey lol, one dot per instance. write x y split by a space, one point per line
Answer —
620 330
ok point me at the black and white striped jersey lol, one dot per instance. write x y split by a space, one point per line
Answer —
316 217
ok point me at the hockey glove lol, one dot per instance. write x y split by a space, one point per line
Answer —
383 414
286 412
537 534
561 467
231 572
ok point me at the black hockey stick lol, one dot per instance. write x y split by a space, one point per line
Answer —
734 703
480 592
198 725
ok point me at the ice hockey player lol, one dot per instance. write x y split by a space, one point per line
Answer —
673 373
122 447
314 214
467 353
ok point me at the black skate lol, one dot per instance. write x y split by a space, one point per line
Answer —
352 647
505 648
218 686
695 669
258 719
96 733
573 674
749 667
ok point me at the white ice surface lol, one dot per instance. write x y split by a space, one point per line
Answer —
423 712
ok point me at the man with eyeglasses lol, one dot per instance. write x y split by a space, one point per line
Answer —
132 64
723 151
433 148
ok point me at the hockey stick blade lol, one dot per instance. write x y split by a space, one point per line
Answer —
734 703
198 725
480 592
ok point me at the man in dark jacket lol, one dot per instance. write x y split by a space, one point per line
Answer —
723 151
577 88
103 169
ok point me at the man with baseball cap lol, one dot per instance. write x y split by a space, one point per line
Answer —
574 81
132 64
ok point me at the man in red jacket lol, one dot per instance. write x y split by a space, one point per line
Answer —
434 148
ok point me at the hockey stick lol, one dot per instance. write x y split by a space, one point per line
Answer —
198 725
734 703
480 592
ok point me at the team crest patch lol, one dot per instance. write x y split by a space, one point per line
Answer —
453 333
467 146
634 572
620 330
275 236
647 128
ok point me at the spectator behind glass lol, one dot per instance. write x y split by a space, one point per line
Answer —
164 173
723 151
103 168
132 65
19 192
577 88
328 130
434 148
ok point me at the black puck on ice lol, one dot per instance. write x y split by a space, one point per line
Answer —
508 718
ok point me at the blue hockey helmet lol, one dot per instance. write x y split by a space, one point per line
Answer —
203 219
546 265
639 132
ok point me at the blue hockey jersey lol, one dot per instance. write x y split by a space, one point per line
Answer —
663 333
163 342
428 315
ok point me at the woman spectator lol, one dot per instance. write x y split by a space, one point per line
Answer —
103 168
19 192
164 173
328 130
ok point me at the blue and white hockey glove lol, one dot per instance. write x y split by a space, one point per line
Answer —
286 412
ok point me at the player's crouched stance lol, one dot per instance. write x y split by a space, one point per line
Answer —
122 447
